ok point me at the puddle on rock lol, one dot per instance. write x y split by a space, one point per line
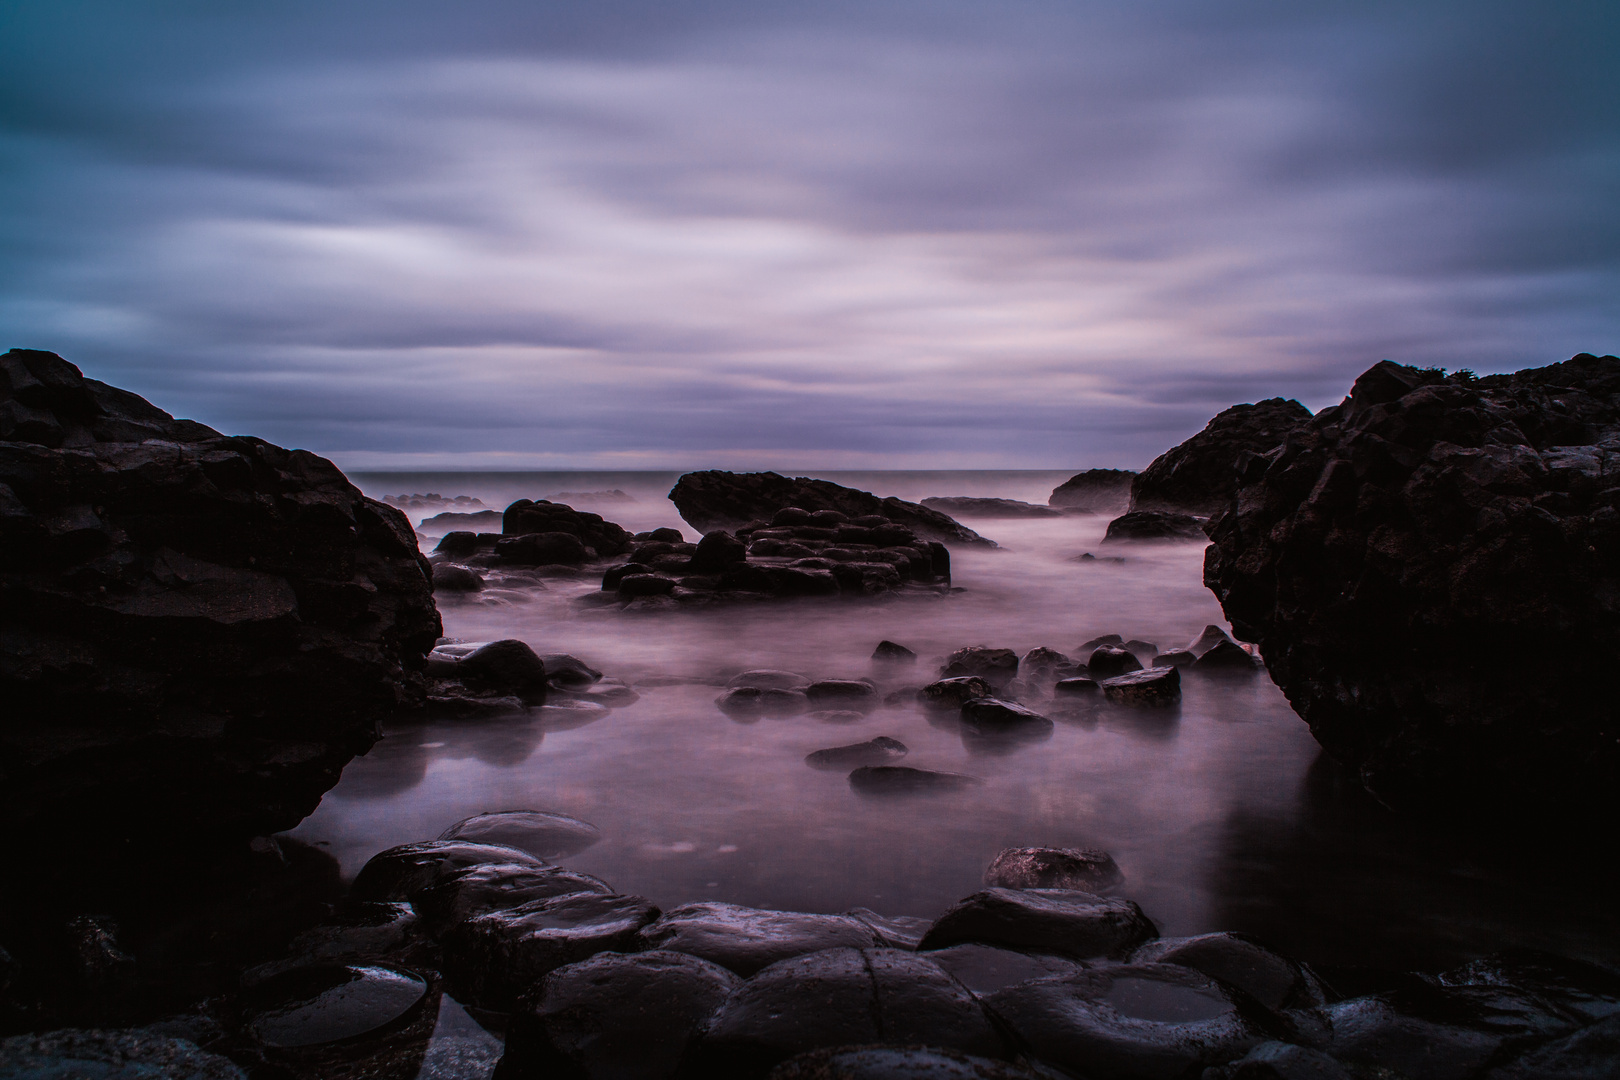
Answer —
325 1003
1164 1002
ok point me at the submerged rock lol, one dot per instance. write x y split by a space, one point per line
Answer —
745 939
838 998
1079 869
861 696
615 1015
327 1003
201 630
1067 922
724 500
1388 553
879 751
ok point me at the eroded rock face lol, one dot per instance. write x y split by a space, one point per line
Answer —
1198 476
726 500
1402 544
1097 490
200 630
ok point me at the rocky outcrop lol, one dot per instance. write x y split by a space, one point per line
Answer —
200 630
963 506
1199 476
1431 569
1096 490
725 500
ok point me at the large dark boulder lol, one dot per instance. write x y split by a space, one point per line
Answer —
1199 475
725 500
1099 490
525 517
1431 569
199 630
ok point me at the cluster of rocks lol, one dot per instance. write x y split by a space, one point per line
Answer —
200 630
483 679
724 500
536 537
1431 569
1043 972
797 553
432 501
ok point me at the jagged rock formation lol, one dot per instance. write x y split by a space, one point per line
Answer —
725 500
1197 476
1432 570
199 630
1101 490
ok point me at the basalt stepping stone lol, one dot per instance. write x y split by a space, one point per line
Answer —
745 939
461 894
838 998
1274 981
1062 921
539 832
985 969
398 872
615 1015
327 1003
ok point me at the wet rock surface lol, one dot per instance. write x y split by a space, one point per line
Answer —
115 1055
398 872
1079 869
745 939
1150 688
997 667
954 692
724 500
1154 525
200 629
1065 922
1385 554
327 1003
842 997
985 969
1274 981
615 1015
879 751
540 833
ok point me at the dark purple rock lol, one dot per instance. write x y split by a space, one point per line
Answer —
1066 922
1079 869
998 667
1387 555
458 895
634 585
451 578
724 500
838 998
717 552
92 1053
745 939
895 1063
953 693
842 693
200 630
984 969
1100 490
590 530
397 873
1150 688
543 549
1226 657
966 507
1106 661
506 665
1199 476
892 653
615 1015
1274 981
1140 525
1079 686
879 751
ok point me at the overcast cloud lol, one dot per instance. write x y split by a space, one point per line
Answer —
887 234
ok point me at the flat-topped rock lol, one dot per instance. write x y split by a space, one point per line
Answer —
879 751
744 939
1150 688
1066 922
1080 869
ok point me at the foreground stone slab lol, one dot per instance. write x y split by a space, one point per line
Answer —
76 1052
745 939
984 969
1080 869
615 1015
1070 923
842 997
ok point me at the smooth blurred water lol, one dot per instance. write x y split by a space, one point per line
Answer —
1222 814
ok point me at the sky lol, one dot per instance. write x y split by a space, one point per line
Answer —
672 234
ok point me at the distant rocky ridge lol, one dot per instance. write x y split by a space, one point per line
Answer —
964 506
200 630
725 500
1432 570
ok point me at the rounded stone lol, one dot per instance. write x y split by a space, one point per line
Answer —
1080 869
540 833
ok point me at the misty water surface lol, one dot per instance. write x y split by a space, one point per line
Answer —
1222 814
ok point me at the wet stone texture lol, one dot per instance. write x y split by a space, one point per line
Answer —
399 872
318 1004
1053 868
615 1015
1065 922
745 939
842 997
541 834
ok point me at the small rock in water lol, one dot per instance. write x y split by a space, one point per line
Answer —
569 672
1106 661
1063 921
1046 665
1211 637
508 664
1079 686
541 833
1151 688
893 653
451 577
633 586
842 692
953 693
767 679
995 714
1080 869
903 780
745 939
1142 525
996 666
325 1003
878 751
615 1015
1099 642
1227 656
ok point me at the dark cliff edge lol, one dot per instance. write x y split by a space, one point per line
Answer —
199 630
1432 570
